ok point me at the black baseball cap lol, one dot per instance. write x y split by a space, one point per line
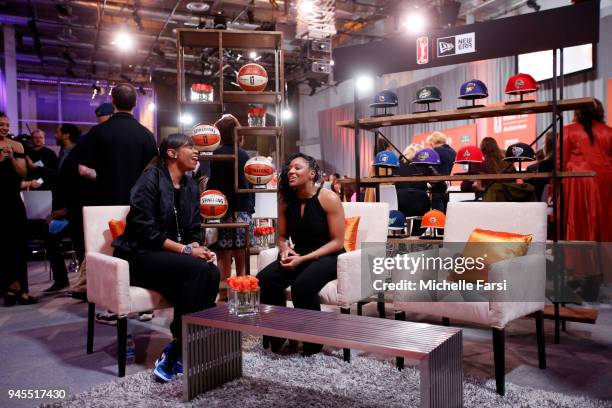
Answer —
428 94
105 109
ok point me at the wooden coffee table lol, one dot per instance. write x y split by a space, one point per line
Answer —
212 346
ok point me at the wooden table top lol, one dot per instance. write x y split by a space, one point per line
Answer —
385 336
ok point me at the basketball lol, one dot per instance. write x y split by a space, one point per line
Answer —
252 77
213 204
206 136
259 170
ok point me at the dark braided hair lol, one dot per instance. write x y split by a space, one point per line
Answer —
172 141
288 193
587 116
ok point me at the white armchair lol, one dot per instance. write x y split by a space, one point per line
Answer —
108 278
347 289
524 218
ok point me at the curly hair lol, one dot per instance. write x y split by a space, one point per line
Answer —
288 193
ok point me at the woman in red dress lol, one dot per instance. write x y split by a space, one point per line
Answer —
587 146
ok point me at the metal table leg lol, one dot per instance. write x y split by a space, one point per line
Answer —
211 357
442 375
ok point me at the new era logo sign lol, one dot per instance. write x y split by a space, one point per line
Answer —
457 44
445 47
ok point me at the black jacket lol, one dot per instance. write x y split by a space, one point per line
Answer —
447 158
152 212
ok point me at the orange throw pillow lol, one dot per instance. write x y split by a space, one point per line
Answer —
351 225
497 246
116 228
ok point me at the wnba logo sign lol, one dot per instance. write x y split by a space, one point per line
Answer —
422 49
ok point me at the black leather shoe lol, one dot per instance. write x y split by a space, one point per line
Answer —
276 344
310 349
56 287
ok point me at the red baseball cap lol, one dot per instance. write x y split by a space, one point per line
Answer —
469 154
521 83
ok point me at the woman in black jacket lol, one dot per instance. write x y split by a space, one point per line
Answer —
162 242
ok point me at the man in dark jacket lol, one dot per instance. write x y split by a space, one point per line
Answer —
115 152
437 141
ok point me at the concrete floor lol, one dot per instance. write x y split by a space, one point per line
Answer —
43 347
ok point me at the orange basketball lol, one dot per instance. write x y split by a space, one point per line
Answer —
259 170
206 136
252 77
213 204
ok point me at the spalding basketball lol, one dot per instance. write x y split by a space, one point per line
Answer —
206 136
213 204
252 77
259 170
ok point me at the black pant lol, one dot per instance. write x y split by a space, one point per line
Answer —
13 243
74 230
190 284
306 282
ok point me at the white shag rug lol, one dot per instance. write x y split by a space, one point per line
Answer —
323 380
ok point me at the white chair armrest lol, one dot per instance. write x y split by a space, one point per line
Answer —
526 283
350 279
266 257
108 282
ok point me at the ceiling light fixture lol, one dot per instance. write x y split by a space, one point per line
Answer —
123 41
198 7
414 22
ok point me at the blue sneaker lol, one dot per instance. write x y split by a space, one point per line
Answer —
164 365
167 350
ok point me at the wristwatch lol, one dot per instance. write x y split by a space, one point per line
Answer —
187 249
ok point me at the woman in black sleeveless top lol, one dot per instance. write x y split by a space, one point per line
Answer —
314 220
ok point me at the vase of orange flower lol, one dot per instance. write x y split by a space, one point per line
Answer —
243 295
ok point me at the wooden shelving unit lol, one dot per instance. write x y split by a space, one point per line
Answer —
473 113
373 181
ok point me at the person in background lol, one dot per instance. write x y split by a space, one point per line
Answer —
493 164
412 197
162 242
104 112
13 242
544 164
42 163
231 241
587 146
438 142
337 188
65 208
313 218
114 154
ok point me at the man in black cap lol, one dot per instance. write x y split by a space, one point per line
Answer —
104 112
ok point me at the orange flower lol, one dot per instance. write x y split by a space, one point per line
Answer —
243 283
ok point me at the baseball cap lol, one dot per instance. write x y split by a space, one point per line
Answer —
474 89
104 109
433 219
469 154
426 156
397 220
385 99
386 159
428 94
519 152
520 84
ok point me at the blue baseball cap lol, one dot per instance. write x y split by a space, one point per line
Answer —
386 159
397 219
105 109
385 99
426 156
474 89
